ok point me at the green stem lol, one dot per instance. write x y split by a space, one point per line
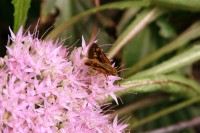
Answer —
183 39
171 84
116 5
164 112
191 5
185 58
135 27
149 100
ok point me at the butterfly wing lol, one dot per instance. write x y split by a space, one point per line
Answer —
98 61
101 67
95 53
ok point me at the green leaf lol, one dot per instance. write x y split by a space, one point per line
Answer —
165 111
116 5
139 47
142 20
126 18
20 12
191 5
191 33
64 9
181 60
173 84
166 29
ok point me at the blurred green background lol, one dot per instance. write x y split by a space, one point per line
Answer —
155 44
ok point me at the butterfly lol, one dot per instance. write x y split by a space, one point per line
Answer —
98 61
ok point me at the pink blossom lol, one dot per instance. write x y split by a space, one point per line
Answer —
44 89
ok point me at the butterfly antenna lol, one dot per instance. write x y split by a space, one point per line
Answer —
120 67
94 36
123 69
105 45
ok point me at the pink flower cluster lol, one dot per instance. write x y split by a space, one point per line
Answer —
43 89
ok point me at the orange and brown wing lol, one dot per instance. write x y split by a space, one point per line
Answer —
98 61
95 53
101 67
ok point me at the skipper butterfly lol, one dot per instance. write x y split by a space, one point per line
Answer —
98 61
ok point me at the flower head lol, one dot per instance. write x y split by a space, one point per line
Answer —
44 89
